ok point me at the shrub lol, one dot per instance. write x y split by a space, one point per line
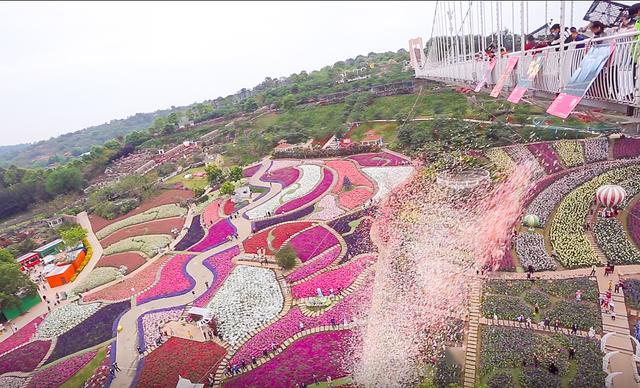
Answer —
286 257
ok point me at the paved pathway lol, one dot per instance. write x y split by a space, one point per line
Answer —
471 356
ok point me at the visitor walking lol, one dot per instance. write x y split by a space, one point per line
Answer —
611 306
529 322
578 296
301 326
616 289
536 309
574 329
593 271
14 327
556 325
572 353
613 315
547 323
115 366
592 332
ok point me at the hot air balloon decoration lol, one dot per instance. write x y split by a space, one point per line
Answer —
610 196
532 221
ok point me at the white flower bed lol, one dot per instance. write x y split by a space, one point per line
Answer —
65 318
632 188
531 251
387 178
146 244
249 298
156 213
614 242
97 277
522 155
328 209
13 382
596 150
310 177
152 322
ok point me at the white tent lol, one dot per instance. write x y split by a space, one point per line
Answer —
186 383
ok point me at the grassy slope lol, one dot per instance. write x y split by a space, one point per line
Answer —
85 373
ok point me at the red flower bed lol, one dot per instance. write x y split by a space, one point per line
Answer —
21 337
152 227
251 170
354 198
280 234
131 260
228 207
347 168
189 359
166 197
174 280
25 358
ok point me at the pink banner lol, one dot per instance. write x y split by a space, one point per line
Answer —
511 64
487 75
563 105
523 85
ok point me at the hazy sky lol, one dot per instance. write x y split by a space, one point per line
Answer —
66 66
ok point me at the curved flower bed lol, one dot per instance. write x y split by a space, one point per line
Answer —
25 358
163 226
379 159
358 238
131 260
344 224
626 148
346 168
387 178
228 207
64 318
55 376
258 225
22 336
531 251
13 382
149 324
250 171
339 278
547 157
612 239
285 176
570 151
354 198
100 376
315 264
313 241
139 280
193 235
522 155
249 298
596 149
272 239
317 354
94 330
211 213
156 213
96 278
148 244
500 159
217 234
328 209
174 280
632 293
320 189
189 359
311 177
633 223
220 265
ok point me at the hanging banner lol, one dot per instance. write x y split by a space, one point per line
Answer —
511 64
487 74
581 80
525 83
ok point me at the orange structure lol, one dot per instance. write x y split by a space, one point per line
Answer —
60 275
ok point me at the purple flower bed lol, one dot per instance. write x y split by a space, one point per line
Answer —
94 330
313 241
250 171
193 235
259 225
320 189
285 176
626 148
542 184
339 278
56 375
217 235
359 241
547 156
25 358
174 280
633 220
221 266
316 264
341 225
317 354
379 159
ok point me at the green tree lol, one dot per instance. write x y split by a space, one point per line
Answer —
13 284
197 192
214 174
286 257
249 105
227 188
6 256
72 236
64 180
288 102
235 173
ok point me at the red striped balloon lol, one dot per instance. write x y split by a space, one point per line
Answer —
610 196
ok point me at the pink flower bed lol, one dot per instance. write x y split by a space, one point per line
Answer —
217 235
279 233
285 176
229 206
139 280
320 189
221 266
312 242
24 359
99 377
547 156
633 221
339 278
174 280
314 265
23 336
354 198
211 213
250 171
318 353
56 375
347 168
328 209
626 148
379 159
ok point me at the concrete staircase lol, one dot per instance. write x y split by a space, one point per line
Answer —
471 346
596 247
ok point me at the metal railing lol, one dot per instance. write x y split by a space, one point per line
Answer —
615 84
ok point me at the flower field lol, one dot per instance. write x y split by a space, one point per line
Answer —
272 239
221 266
531 251
228 207
547 157
150 323
97 277
285 176
318 354
162 226
500 159
13 382
320 189
193 235
612 239
522 155
149 244
596 150
312 241
388 178
23 336
378 159
632 293
346 169
211 213
54 376
315 264
160 212
250 171
179 357
327 209
354 198
264 223
217 234
358 238
131 260
64 318
633 221
626 148
173 280
336 279
570 152
25 358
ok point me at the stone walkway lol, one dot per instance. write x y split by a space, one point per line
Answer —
471 357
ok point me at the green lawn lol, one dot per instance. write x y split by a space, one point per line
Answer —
190 183
388 131
85 373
